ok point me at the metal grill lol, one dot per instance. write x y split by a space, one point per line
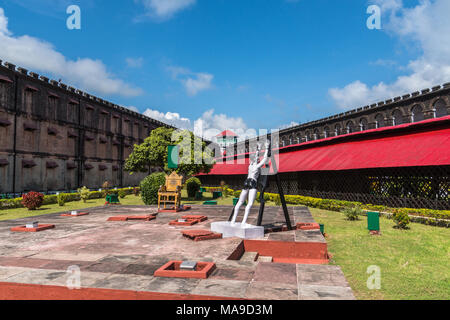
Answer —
412 187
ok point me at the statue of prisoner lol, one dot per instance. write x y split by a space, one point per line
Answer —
250 184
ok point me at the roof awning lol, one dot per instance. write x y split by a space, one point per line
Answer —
430 147
5 79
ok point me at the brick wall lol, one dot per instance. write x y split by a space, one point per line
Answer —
55 138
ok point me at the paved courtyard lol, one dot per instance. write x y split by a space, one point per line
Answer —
125 255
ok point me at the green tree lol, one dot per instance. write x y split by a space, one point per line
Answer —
153 153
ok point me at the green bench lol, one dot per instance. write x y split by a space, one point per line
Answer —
210 203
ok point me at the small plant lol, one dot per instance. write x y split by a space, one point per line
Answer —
33 200
193 186
401 219
353 213
61 198
84 194
122 194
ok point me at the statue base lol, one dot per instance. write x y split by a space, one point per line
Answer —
229 230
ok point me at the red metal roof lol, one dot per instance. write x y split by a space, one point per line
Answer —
227 133
425 143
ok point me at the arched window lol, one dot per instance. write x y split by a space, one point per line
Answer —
441 108
349 127
326 132
417 113
363 124
337 129
316 134
379 121
397 117
307 136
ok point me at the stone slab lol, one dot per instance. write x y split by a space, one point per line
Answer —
259 290
318 292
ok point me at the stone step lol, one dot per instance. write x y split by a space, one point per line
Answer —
265 259
249 256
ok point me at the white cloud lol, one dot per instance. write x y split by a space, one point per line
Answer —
39 55
132 108
425 25
165 9
289 125
3 23
207 126
192 82
171 118
134 62
211 124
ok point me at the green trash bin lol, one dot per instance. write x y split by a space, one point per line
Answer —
373 221
113 198
236 200
322 228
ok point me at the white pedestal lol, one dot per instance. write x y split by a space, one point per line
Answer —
229 230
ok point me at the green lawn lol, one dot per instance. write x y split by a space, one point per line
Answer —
414 263
69 206
11 214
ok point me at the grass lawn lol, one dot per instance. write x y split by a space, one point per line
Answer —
69 206
414 263
18 213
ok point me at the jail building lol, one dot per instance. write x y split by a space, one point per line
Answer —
54 137
394 153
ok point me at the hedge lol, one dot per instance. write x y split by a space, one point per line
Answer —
340 205
53 199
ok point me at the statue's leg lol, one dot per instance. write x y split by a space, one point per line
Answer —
251 200
239 204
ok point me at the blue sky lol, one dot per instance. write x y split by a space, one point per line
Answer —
236 64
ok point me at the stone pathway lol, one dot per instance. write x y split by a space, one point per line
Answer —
124 255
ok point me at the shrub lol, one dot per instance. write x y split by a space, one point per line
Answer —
150 186
61 198
136 191
237 193
401 219
266 197
11 203
33 200
122 194
277 200
84 194
96 195
353 213
193 185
